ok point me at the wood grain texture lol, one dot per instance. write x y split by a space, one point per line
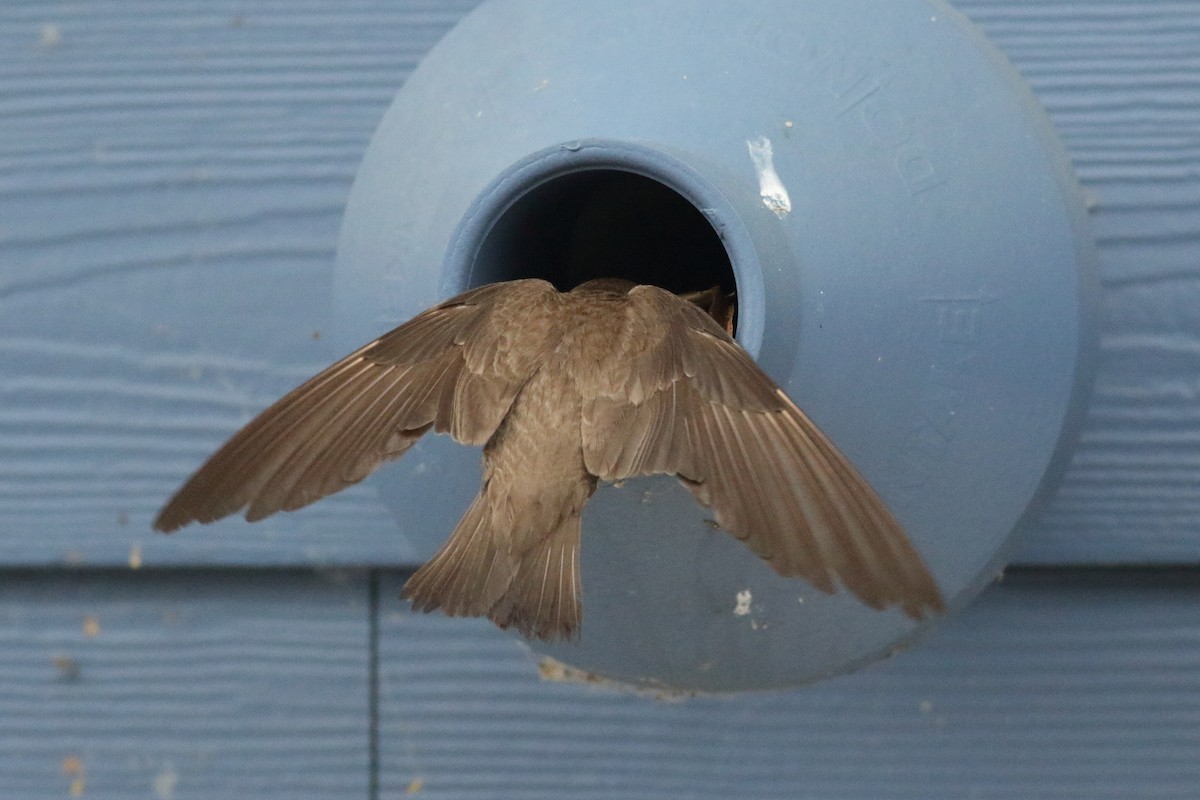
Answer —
1051 687
187 684
172 178
1118 79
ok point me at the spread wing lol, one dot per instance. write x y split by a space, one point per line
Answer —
690 402
455 368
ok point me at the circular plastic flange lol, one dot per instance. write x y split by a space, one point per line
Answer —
908 244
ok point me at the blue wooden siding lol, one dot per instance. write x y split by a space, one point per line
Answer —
172 176
1051 686
183 684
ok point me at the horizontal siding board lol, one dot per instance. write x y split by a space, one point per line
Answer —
190 684
172 177
1118 79
1049 687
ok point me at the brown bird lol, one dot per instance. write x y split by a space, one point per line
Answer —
606 382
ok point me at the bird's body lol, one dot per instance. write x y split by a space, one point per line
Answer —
515 555
606 382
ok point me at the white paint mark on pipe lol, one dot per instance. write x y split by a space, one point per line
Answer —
744 598
770 187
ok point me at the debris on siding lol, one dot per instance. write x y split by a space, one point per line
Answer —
73 768
68 668
50 35
165 782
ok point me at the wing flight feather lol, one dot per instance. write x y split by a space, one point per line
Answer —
690 402
455 368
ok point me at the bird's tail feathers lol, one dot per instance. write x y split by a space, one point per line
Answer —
544 600
469 575
536 590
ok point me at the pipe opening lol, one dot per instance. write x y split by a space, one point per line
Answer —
604 223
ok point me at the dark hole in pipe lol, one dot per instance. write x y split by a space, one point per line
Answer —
604 224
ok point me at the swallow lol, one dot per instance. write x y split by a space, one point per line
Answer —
606 382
